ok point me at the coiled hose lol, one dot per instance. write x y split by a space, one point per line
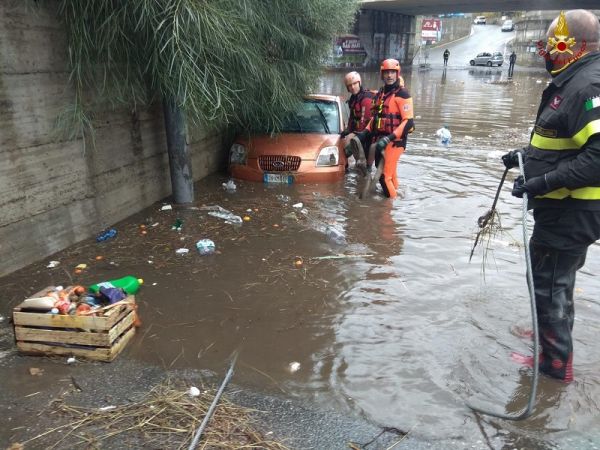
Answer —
534 381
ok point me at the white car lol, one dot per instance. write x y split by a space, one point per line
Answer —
508 25
480 20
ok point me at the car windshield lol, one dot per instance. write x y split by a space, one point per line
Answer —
497 54
313 116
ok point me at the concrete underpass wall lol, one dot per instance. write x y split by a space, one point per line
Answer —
386 35
53 194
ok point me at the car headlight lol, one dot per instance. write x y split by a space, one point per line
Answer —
328 156
238 154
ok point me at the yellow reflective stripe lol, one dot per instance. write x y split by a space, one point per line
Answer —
586 193
584 134
546 143
576 142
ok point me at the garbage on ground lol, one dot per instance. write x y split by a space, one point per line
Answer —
297 205
177 225
283 198
108 234
81 266
52 264
290 216
247 218
335 235
166 208
35 371
444 135
128 283
304 211
194 391
182 251
205 247
229 186
298 262
75 321
226 215
294 366
155 224
71 360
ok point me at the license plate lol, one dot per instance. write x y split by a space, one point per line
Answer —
278 178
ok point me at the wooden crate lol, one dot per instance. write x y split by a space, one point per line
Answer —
99 338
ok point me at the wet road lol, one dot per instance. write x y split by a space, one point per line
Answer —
404 330
483 38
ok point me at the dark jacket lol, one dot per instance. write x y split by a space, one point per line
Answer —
565 142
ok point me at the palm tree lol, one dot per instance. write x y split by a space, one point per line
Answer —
212 63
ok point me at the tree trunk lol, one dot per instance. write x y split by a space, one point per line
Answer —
180 161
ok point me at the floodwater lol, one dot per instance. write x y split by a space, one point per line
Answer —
401 330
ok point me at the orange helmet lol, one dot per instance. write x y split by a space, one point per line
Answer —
390 64
351 78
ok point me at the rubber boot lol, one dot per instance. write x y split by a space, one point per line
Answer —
554 281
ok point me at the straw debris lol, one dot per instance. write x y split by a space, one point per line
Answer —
166 417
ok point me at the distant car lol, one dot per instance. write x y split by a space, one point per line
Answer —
308 148
480 20
488 59
508 25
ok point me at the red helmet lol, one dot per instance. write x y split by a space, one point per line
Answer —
390 64
351 78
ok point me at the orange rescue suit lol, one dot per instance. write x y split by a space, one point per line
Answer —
393 117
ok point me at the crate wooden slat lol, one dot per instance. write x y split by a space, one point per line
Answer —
93 337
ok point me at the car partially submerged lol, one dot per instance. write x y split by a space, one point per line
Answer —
488 59
307 149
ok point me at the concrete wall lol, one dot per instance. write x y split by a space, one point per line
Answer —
53 194
386 35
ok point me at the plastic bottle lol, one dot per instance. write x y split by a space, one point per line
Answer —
228 217
108 234
129 284
205 247
335 235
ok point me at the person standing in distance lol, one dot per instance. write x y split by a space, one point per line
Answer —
446 55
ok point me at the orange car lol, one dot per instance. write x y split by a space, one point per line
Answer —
308 148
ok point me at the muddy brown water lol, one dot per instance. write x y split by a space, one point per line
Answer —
404 330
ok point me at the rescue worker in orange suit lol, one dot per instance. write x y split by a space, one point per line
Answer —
359 104
562 182
391 122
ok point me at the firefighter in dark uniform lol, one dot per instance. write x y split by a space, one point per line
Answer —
562 182
359 104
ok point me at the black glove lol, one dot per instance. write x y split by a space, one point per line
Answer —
344 133
534 186
511 159
362 135
384 141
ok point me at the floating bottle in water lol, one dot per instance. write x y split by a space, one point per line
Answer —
108 234
335 235
205 247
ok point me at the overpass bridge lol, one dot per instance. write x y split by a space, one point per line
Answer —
389 28
428 7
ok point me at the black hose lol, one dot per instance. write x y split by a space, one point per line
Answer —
534 381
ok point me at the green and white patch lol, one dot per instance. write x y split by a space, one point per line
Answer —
592 103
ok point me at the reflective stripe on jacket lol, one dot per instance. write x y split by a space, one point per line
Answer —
564 142
393 113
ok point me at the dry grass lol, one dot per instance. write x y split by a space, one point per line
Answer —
166 417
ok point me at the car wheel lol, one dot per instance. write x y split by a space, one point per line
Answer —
472 62
489 64
499 64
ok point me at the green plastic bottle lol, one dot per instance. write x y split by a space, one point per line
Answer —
129 284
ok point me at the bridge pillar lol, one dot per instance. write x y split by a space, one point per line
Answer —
386 35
